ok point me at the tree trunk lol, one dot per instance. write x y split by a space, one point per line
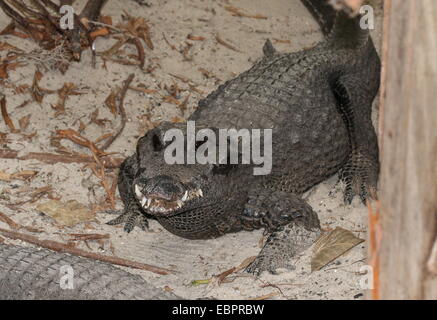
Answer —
408 188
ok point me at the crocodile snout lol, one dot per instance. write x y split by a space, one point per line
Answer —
164 194
164 187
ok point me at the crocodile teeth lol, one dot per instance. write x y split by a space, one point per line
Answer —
185 197
143 201
200 193
149 202
138 192
180 203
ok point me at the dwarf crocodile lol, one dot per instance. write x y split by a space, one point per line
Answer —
318 103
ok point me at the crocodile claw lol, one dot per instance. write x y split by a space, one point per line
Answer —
131 220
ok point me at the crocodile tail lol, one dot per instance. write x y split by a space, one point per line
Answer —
339 27
323 13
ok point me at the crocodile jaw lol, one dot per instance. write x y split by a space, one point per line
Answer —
154 205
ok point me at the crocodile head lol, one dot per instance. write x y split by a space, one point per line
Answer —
164 189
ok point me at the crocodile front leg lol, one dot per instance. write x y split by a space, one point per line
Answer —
132 215
293 224
355 91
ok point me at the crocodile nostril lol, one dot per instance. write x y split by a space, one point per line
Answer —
164 187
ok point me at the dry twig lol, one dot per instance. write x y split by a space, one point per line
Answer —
225 44
237 12
50 158
5 115
15 226
122 112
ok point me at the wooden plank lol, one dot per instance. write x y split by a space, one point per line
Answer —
408 186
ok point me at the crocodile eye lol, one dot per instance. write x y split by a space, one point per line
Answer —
157 143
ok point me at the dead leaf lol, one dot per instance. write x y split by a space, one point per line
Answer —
332 245
99 33
67 214
24 122
138 27
106 20
111 100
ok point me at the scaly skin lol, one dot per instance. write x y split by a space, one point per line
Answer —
318 104
35 274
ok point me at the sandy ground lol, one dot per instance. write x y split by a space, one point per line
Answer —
194 260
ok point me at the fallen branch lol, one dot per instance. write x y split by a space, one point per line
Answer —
63 248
